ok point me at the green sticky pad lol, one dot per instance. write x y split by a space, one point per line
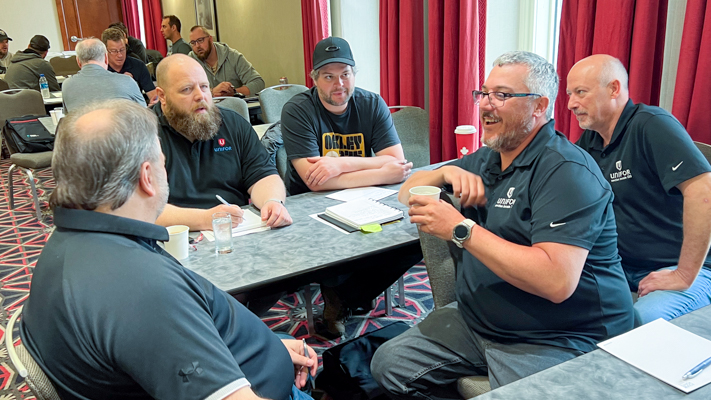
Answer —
371 228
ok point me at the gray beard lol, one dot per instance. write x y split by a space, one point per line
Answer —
194 127
511 139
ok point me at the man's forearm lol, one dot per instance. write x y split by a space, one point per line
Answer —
269 187
192 217
697 227
420 178
352 164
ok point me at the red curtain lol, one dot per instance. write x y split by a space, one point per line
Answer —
402 53
314 19
130 17
152 18
456 67
692 104
632 31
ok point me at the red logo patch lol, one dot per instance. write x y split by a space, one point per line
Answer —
221 141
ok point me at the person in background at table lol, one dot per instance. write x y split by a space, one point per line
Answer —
5 55
118 62
210 151
134 47
662 186
329 133
227 69
93 82
170 28
540 280
27 65
148 327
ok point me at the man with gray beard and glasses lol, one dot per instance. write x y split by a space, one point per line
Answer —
210 151
539 280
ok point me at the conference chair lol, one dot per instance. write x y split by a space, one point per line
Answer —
4 85
272 100
413 128
441 262
17 103
26 366
64 65
234 104
705 150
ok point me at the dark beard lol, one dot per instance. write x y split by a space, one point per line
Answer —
194 126
510 140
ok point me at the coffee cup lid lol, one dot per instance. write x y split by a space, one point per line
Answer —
465 129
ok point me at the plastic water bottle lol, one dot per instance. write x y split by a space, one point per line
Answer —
44 86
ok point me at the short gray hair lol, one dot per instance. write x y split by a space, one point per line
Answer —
541 77
100 167
314 72
91 49
614 69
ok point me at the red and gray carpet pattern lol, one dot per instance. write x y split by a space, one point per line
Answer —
22 238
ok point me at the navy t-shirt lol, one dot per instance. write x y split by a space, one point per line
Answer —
140 73
113 316
552 192
650 153
309 130
228 164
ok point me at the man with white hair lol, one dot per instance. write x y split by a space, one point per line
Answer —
94 82
539 280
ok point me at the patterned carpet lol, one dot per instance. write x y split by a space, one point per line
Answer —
22 238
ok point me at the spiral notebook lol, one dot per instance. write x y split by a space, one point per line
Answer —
357 213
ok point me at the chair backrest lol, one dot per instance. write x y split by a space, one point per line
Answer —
26 366
282 165
705 150
3 85
234 104
64 66
413 128
272 100
19 102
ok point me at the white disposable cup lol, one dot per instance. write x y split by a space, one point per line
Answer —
222 228
53 114
465 135
59 112
177 246
429 191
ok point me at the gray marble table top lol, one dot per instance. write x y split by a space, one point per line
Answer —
599 375
305 246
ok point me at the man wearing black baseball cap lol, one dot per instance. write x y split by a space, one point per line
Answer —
339 136
27 65
5 55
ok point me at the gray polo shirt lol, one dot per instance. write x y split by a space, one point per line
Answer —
552 192
93 83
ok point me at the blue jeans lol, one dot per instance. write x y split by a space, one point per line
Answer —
669 304
426 361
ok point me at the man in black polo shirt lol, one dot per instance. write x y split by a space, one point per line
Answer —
111 315
210 151
662 189
119 62
540 280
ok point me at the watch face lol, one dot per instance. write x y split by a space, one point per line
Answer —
460 232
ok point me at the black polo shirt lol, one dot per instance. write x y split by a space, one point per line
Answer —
112 316
228 164
650 153
552 192
140 73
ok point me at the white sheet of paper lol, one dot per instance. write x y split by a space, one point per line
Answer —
323 221
664 351
370 192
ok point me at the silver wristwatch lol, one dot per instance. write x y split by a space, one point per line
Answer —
462 232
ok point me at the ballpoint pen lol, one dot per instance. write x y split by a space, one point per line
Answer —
223 201
697 369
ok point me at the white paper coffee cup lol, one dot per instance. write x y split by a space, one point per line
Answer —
177 246
429 191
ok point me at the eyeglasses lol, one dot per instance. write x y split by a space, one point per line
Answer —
117 51
198 41
497 99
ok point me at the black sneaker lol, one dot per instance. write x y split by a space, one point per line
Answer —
335 313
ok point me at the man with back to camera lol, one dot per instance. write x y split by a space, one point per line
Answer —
329 133
93 82
119 62
137 324
170 28
27 65
5 55
227 69
539 280
662 189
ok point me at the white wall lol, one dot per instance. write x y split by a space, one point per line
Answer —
22 19
357 22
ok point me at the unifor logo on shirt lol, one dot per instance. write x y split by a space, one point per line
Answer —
343 145
506 202
620 174
222 143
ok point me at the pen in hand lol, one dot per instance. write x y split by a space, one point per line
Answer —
223 201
